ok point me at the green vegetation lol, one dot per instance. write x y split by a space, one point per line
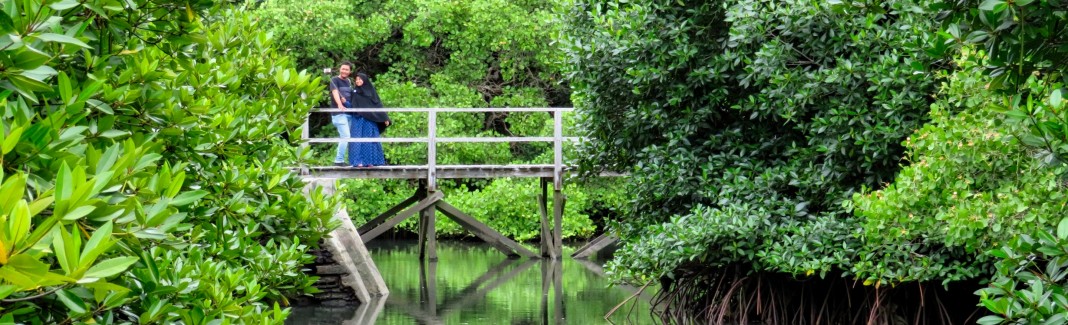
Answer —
143 165
469 54
802 138
746 134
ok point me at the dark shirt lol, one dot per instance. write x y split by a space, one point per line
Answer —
344 90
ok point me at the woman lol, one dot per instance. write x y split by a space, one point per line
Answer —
340 88
367 124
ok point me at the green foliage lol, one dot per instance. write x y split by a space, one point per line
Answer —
479 50
1025 64
147 181
1029 286
746 124
317 33
970 187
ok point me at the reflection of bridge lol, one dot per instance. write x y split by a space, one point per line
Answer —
427 310
428 200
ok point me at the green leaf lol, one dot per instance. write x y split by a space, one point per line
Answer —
990 319
6 290
64 5
59 38
79 212
19 223
1062 229
72 301
30 58
61 245
41 73
64 183
27 265
98 243
111 134
11 140
42 229
28 84
19 279
991 5
40 204
1055 98
65 89
11 191
6 25
110 267
188 197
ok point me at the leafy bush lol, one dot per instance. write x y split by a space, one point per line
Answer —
970 187
746 132
1024 64
147 181
490 48
1029 285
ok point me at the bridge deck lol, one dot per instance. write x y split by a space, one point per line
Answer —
442 171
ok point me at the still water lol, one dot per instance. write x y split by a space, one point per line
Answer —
472 283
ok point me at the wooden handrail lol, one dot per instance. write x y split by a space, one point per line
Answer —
432 139
443 110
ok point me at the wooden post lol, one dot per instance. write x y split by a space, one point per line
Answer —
558 150
432 152
304 132
543 211
428 247
427 218
558 182
559 199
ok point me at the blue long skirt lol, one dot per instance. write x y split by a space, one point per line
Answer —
365 154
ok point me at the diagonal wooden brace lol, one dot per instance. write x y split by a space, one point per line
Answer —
479 229
407 213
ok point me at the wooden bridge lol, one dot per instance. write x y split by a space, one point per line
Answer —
428 199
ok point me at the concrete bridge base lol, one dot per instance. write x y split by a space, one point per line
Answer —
351 260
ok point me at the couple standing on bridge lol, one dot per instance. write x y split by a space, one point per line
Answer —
357 92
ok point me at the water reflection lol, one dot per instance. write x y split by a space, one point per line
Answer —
475 284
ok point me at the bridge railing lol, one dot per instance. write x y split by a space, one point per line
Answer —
432 138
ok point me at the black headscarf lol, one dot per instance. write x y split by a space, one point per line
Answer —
367 97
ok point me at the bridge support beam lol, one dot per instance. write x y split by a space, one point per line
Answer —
427 203
428 246
484 232
596 245
423 204
551 231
